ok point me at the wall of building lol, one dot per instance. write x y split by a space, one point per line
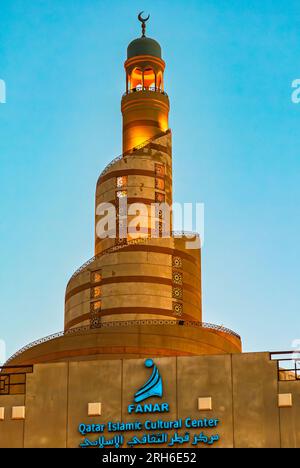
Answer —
243 389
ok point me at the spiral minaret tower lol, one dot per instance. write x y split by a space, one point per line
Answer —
140 295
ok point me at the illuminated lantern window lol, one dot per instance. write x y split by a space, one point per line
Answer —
159 197
96 276
96 306
160 170
96 292
121 182
121 193
159 184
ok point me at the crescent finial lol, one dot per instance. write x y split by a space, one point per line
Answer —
143 21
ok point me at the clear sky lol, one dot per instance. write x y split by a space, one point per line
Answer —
230 65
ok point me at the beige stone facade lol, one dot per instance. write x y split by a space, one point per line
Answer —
243 390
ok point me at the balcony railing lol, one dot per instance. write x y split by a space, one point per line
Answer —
125 323
140 89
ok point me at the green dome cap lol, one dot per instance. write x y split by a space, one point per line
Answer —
144 46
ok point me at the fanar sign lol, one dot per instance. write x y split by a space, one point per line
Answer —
152 430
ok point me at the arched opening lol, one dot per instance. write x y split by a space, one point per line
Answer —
136 79
159 81
149 78
143 79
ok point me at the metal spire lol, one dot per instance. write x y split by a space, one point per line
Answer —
143 21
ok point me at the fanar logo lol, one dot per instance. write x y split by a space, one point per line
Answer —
152 388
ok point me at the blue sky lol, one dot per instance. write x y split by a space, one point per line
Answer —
230 65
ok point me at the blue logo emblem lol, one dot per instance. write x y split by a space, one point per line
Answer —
153 387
